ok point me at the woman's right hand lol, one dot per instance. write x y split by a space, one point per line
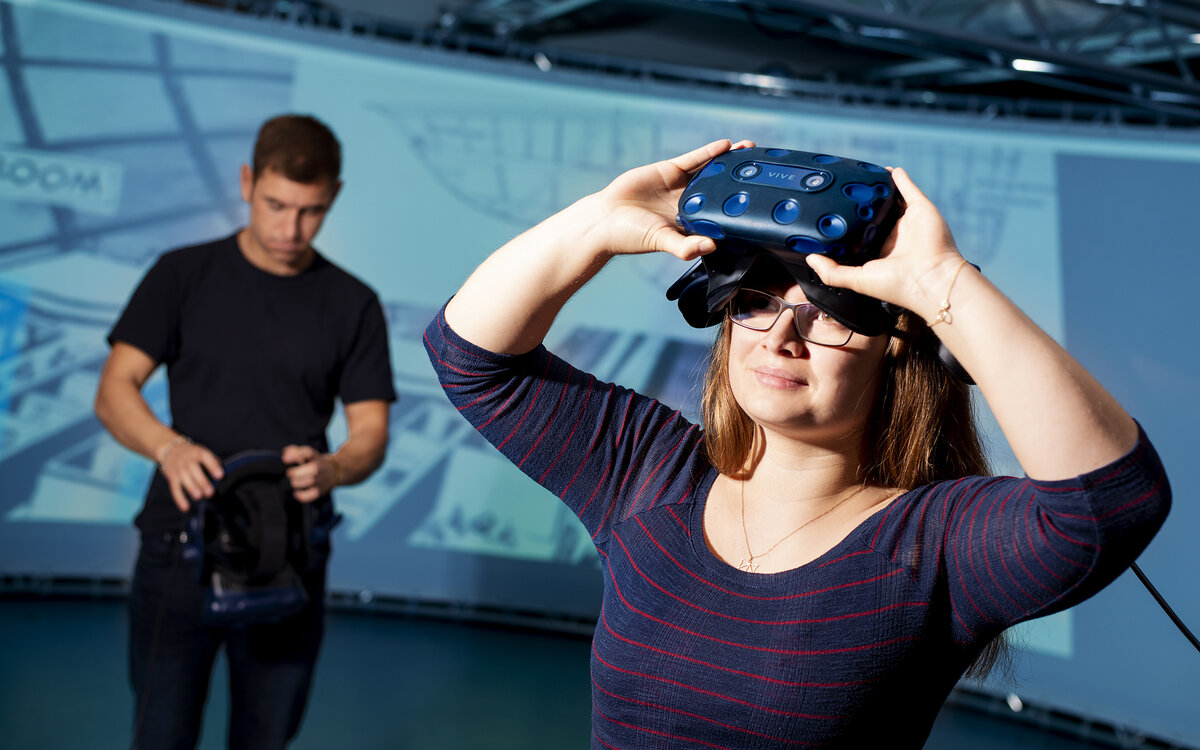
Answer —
637 210
510 301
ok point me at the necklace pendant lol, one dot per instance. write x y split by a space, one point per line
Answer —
748 565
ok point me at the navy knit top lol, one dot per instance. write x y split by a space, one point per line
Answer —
856 649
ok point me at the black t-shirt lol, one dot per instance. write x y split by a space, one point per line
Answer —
254 360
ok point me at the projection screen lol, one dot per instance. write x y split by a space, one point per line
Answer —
121 134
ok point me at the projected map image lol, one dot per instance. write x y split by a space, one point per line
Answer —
521 166
485 505
92 193
116 143
122 128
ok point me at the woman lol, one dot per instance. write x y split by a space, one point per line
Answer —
820 565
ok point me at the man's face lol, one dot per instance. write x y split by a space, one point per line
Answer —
284 218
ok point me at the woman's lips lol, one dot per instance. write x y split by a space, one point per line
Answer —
773 377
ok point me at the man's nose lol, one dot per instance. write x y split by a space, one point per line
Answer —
294 225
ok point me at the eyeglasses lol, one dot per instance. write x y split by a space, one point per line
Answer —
758 311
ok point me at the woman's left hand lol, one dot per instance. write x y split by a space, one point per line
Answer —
916 259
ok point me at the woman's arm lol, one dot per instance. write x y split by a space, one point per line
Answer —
509 302
1058 419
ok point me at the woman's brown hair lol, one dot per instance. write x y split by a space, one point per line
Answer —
922 426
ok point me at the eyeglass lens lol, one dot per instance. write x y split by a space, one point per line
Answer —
758 311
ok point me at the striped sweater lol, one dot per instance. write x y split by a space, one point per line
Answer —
858 648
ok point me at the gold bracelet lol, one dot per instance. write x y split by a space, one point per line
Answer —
943 313
337 470
165 451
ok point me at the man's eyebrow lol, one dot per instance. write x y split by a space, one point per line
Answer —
323 205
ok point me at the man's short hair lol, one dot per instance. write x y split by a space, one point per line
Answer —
299 147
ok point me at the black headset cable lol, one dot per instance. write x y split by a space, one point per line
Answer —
1166 607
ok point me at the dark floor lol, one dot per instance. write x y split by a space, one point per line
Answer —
383 682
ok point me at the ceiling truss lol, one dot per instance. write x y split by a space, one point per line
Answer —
1125 62
1140 56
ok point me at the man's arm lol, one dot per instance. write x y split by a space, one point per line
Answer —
315 474
122 409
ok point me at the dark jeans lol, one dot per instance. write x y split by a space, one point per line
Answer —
171 656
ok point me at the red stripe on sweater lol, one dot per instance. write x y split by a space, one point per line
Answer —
600 483
962 583
1046 540
650 581
647 730
691 715
987 563
764 649
528 407
712 694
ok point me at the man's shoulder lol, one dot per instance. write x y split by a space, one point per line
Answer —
204 252
346 282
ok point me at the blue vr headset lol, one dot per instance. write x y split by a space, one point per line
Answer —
767 208
256 542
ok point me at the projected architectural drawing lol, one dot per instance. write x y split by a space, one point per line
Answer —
121 131
115 144
522 165
91 193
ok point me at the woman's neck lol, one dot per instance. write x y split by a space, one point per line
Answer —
812 473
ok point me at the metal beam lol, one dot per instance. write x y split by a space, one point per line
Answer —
507 17
951 37
1101 62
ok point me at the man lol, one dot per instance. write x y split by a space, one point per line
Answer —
259 334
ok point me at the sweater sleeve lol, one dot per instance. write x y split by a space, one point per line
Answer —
607 451
1007 549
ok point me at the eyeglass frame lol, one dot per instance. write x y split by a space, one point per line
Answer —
784 306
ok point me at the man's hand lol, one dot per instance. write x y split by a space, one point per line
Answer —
190 471
311 473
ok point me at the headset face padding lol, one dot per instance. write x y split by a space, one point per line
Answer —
264 464
706 288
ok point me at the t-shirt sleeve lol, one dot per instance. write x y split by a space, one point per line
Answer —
367 371
150 320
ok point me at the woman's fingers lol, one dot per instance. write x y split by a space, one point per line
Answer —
697 158
832 273
908 189
642 205
685 247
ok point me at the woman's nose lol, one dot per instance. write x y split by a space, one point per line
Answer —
783 334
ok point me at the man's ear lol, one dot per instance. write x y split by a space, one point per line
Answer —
337 188
246 177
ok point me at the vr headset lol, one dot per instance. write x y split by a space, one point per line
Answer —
256 541
767 208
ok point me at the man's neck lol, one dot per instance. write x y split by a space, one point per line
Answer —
258 257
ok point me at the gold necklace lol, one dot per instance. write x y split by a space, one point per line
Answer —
747 564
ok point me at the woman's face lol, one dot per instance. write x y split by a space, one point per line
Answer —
799 389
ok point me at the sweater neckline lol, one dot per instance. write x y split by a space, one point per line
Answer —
719 569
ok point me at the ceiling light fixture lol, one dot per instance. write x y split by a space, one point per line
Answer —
1033 66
